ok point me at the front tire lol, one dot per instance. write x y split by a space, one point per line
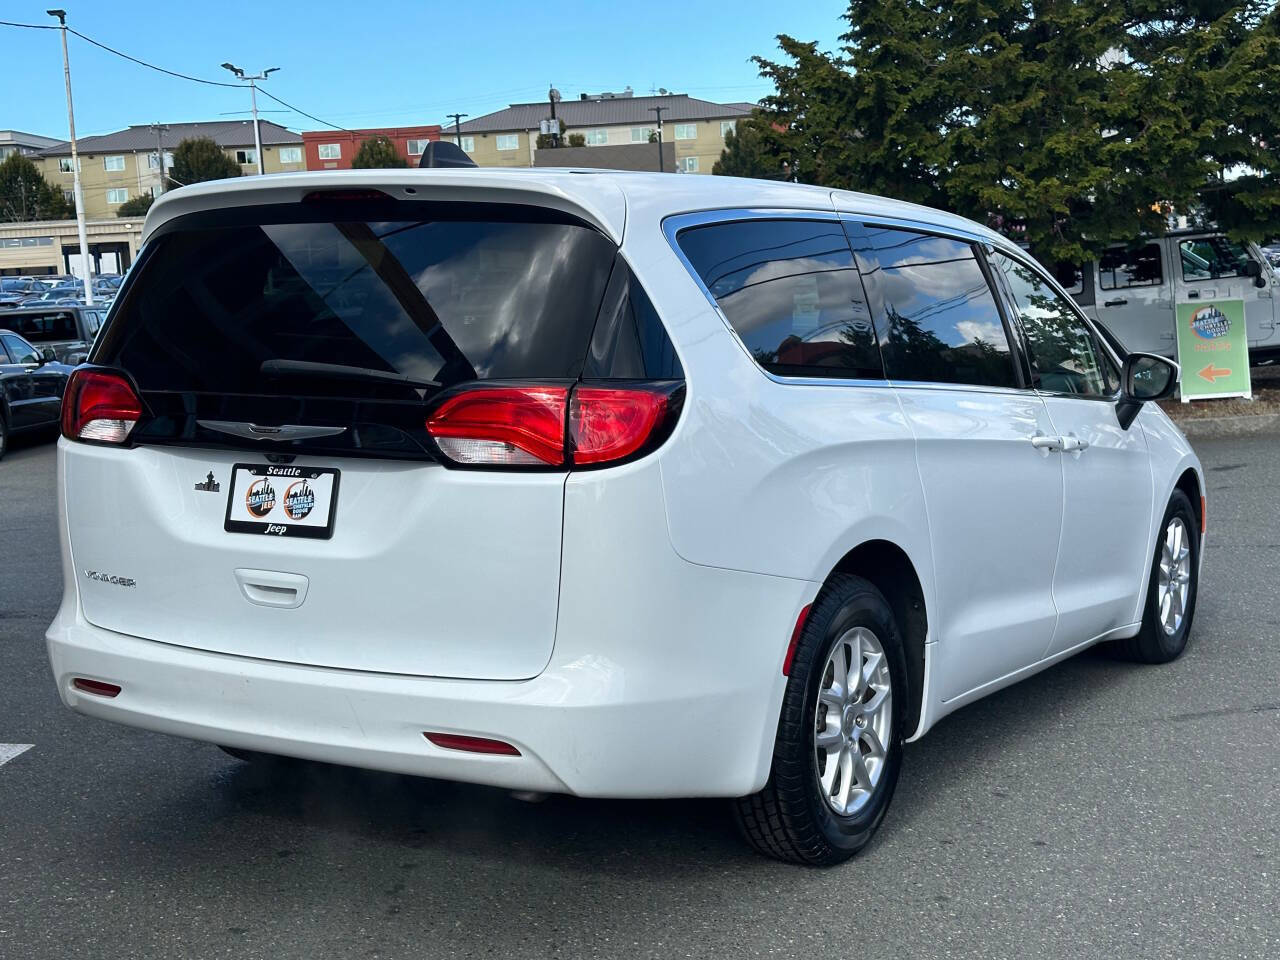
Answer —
838 751
1171 588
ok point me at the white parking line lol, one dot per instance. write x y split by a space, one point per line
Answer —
10 750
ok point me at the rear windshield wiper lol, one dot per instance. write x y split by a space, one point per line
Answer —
306 368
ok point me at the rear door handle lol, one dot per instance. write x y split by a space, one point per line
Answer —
1046 444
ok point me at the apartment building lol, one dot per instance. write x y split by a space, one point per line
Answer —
695 128
116 167
15 141
335 149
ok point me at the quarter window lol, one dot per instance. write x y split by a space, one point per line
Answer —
508 141
937 316
1212 258
1065 357
791 291
1121 268
19 349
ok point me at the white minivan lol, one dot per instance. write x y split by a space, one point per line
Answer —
1133 290
613 485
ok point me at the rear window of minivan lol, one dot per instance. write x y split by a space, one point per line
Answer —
249 314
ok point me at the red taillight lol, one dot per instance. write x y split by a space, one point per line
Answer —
99 405
456 741
96 687
502 426
525 426
611 423
795 641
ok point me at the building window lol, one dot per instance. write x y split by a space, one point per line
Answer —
113 164
153 160
596 138
246 156
686 131
641 134
117 196
727 127
64 164
416 147
290 154
69 196
469 144
687 164
509 141
330 151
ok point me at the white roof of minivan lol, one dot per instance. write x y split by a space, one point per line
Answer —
603 197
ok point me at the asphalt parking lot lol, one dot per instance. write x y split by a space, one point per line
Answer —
1097 810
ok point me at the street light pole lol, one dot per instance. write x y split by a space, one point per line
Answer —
253 98
77 192
658 111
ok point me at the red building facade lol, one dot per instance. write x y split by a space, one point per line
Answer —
335 149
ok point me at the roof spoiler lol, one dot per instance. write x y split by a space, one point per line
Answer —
442 153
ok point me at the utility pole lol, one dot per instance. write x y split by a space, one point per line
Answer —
159 130
554 96
253 97
78 193
658 111
457 126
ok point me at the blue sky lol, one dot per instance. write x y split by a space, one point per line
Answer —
382 64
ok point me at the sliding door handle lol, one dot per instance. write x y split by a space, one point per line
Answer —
1115 303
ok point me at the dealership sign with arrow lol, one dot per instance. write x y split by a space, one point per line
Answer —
1213 350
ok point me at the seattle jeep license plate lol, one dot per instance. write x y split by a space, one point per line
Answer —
282 501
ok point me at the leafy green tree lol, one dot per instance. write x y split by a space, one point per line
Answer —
198 159
378 153
26 195
136 206
577 139
1072 123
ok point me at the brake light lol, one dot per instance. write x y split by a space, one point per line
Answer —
99 405
525 425
610 423
502 426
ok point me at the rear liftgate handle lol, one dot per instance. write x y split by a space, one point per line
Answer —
272 588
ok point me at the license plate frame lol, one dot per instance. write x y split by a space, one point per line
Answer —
278 519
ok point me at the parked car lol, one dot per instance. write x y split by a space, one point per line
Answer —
22 286
1133 291
69 328
611 485
31 387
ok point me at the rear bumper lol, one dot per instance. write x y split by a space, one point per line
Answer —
666 679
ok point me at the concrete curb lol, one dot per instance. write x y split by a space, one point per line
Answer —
1213 428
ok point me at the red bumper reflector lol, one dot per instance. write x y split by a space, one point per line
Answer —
795 639
96 687
1204 517
456 741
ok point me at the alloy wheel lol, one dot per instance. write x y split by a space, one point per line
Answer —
853 721
1173 580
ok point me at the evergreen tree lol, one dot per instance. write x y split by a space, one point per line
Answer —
198 159
136 206
750 151
378 153
26 195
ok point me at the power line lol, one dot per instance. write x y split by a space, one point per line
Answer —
28 26
304 113
151 66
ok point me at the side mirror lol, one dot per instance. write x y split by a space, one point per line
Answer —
1253 269
1146 376
47 355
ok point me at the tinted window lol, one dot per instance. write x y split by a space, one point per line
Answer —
1063 354
443 300
791 290
936 312
1212 258
630 341
1121 268
46 327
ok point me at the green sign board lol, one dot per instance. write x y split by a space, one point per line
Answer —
1213 350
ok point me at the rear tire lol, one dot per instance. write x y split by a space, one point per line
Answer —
4 436
802 814
1171 588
